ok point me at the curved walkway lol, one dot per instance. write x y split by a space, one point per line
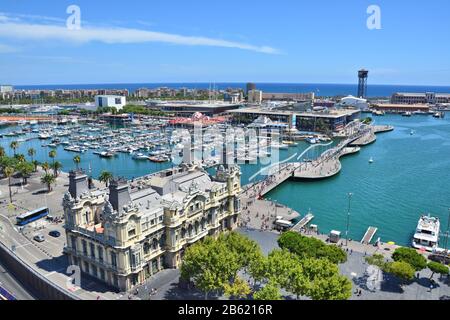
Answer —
322 169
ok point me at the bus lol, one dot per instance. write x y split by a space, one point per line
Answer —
5 295
31 216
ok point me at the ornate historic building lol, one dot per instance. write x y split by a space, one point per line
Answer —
124 234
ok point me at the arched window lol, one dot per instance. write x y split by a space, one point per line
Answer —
183 232
162 241
196 227
146 247
155 244
190 229
203 223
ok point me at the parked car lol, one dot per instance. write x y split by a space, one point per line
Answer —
55 233
39 238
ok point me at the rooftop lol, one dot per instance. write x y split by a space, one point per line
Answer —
335 113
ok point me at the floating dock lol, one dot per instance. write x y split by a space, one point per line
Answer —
303 222
368 236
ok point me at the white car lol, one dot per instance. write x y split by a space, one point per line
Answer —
39 238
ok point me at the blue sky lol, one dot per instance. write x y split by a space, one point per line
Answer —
320 41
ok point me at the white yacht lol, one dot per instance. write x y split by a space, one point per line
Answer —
140 156
427 233
311 140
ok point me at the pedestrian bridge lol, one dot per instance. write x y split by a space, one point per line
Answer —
325 166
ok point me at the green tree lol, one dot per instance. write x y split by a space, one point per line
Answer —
269 292
77 160
437 267
7 162
14 145
25 169
20 158
239 289
2 152
35 164
376 260
258 269
105 177
306 247
401 269
48 180
45 166
9 172
52 155
247 250
209 265
279 265
56 166
325 282
411 256
31 153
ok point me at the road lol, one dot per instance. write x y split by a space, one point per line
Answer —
14 287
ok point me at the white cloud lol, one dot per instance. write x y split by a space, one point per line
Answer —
111 35
8 49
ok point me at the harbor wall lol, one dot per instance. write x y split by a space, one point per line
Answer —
39 286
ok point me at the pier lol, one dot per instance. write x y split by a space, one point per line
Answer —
303 222
368 236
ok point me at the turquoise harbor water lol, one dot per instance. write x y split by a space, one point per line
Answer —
410 176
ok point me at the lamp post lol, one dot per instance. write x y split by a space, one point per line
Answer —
447 233
348 217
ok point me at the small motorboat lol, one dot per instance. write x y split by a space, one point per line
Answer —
371 160
159 159
140 156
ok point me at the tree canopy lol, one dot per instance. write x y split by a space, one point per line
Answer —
307 247
411 256
400 269
218 265
437 267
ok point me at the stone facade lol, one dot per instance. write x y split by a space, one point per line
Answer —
126 233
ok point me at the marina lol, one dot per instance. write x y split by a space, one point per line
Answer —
135 151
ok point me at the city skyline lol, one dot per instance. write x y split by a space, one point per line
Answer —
195 42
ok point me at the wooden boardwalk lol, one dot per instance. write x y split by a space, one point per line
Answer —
368 236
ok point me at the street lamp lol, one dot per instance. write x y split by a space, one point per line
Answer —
348 217
447 233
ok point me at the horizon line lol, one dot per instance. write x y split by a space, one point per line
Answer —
227 82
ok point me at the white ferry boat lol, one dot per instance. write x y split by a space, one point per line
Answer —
427 233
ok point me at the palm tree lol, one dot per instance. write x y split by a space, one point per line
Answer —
9 171
45 166
2 152
14 145
52 154
56 166
48 180
25 169
31 153
35 164
20 158
105 177
77 160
